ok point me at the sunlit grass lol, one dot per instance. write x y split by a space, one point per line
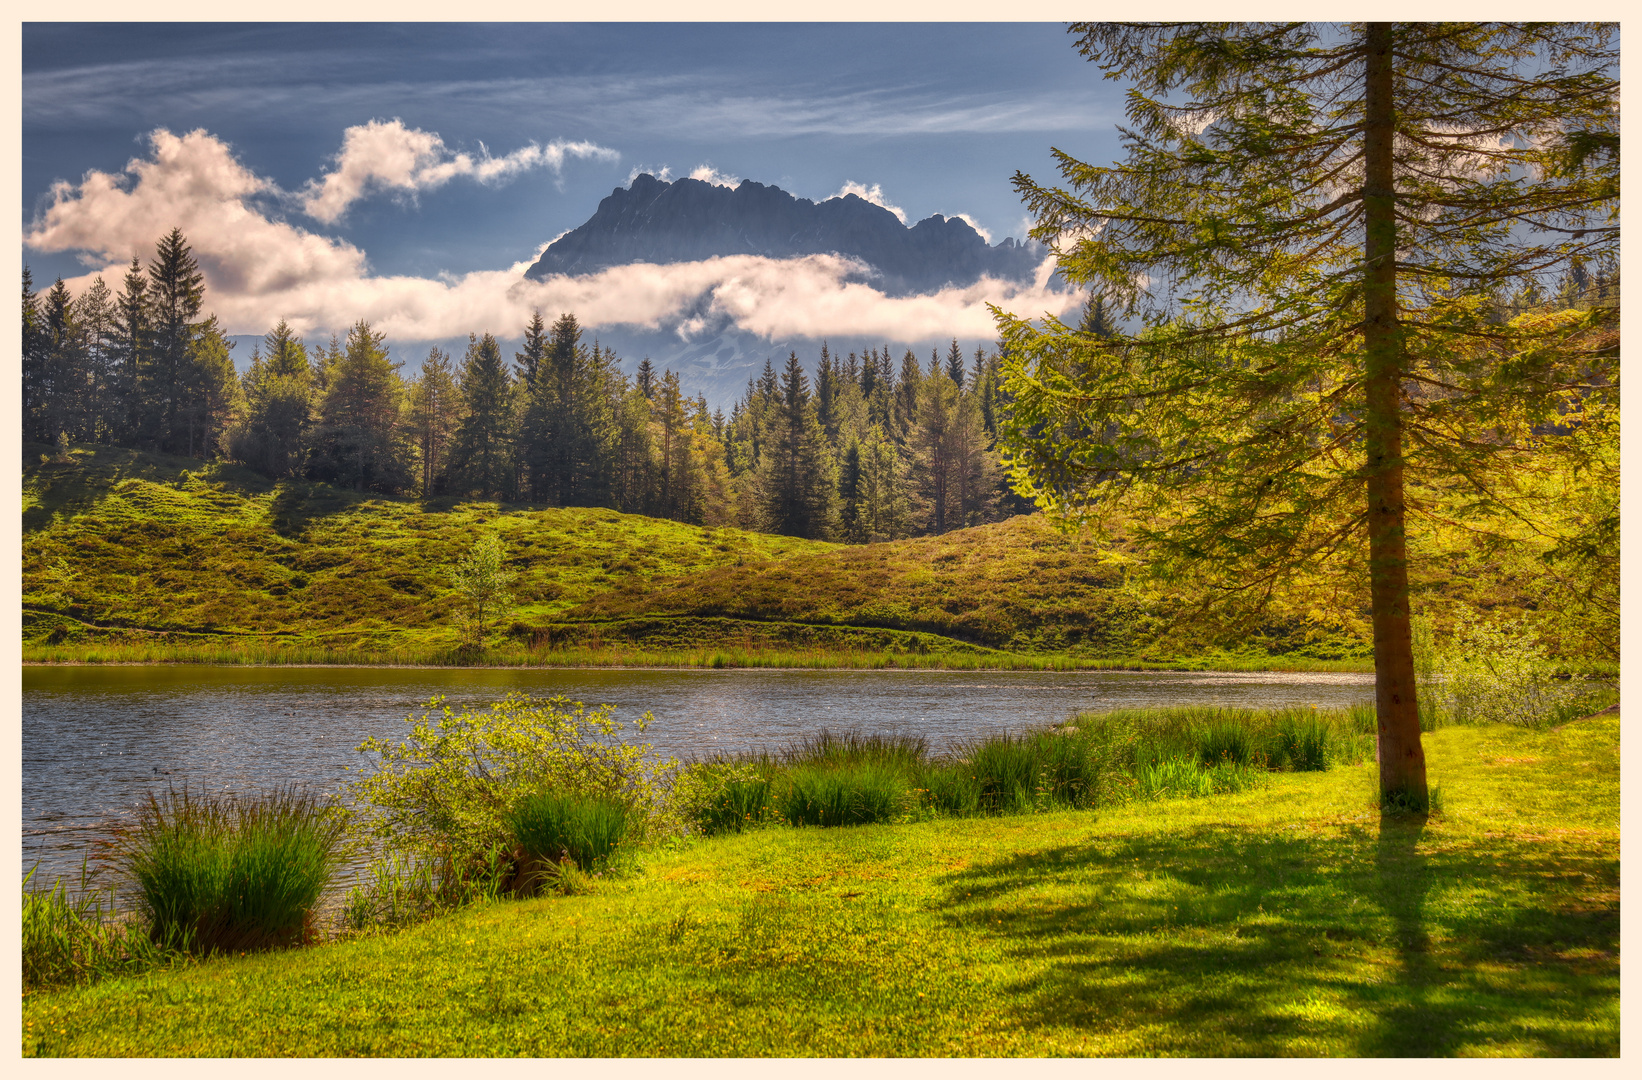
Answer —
1283 921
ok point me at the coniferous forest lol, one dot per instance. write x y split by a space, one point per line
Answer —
863 447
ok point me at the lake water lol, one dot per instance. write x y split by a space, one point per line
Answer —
97 739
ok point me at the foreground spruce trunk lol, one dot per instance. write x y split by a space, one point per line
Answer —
1402 759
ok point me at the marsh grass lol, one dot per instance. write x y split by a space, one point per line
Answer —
80 937
845 793
226 873
552 827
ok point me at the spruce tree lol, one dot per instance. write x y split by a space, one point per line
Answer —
1315 228
435 408
798 479
481 451
279 406
955 364
360 440
131 354
174 388
35 390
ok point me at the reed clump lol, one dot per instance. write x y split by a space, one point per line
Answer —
229 873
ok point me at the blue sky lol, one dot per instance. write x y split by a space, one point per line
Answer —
513 134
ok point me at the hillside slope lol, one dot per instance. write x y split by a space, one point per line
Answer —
119 544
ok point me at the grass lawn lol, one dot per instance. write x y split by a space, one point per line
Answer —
1287 920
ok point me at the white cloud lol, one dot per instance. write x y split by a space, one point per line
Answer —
709 175
259 270
664 174
388 156
873 194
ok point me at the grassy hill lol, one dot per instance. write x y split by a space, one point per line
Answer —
136 556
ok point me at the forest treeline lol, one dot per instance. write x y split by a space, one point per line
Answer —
867 449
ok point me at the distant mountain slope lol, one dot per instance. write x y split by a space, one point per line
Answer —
688 220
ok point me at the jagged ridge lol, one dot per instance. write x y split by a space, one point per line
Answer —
687 220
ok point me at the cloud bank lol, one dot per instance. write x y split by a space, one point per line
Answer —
388 156
259 269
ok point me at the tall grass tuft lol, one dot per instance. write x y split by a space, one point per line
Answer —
851 794
1007 769
70 939
557 826
230 873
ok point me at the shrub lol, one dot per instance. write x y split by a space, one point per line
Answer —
554 826
440 797
1496 674
227 873
844 795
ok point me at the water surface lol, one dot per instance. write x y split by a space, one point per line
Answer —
96 739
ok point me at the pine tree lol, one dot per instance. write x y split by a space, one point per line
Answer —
35 391
798 480
955 364
95 313
360 441
174 388
279 406
645 378
435 408
131 354
61 391
481 451
1316 228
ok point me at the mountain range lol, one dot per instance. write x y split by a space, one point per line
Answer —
688 220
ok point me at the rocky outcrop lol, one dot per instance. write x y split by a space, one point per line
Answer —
688 220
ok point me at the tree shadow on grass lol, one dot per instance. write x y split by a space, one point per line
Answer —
1224 941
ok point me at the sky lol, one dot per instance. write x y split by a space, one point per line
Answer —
406 174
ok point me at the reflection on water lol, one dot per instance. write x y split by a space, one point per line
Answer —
95 739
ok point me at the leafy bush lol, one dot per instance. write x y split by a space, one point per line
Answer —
554 826
721 795
226 873
440 797
1496 674
844 795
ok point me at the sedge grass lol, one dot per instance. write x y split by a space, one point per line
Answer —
554 826
224 873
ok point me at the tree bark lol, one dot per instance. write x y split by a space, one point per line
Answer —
1401 757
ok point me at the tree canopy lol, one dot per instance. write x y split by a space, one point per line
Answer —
1318 265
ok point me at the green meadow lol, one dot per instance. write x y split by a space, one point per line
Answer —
1288 919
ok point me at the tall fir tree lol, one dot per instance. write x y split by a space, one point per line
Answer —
1315 227
481 451
435 409
798 478
360 440
173 388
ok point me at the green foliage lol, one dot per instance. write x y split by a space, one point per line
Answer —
441 797
1278 923
482 580
229 874
845 794
74 938
552 826
1495 672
